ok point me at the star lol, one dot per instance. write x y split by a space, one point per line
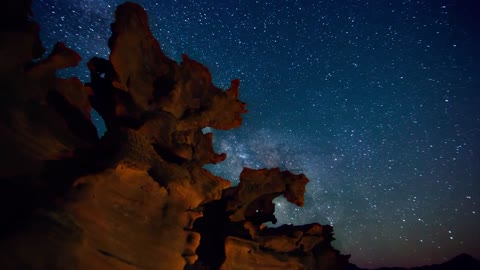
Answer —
376 102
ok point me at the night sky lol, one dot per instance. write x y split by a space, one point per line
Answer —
376 101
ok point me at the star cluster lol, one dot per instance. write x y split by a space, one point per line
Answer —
377 102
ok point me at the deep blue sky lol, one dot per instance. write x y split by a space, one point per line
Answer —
376 101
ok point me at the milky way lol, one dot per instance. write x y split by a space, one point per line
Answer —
377 102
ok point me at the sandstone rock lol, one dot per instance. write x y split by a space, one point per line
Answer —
139 197
257 189
232 228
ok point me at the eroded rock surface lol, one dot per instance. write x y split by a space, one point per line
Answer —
234 237
139 197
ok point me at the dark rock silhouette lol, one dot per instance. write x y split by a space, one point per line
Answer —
135 198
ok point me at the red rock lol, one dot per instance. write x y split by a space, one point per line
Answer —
244 243
139 197
258 188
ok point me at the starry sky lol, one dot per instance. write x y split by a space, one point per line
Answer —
376 101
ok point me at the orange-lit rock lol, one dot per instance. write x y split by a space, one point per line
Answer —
246 254
139 197
233 236
257 189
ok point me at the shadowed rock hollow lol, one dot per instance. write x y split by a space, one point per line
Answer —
139 197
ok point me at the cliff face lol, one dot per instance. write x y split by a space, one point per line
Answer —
139 197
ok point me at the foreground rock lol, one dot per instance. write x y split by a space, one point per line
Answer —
135 198
233 236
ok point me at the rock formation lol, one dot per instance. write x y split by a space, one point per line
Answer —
139 197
